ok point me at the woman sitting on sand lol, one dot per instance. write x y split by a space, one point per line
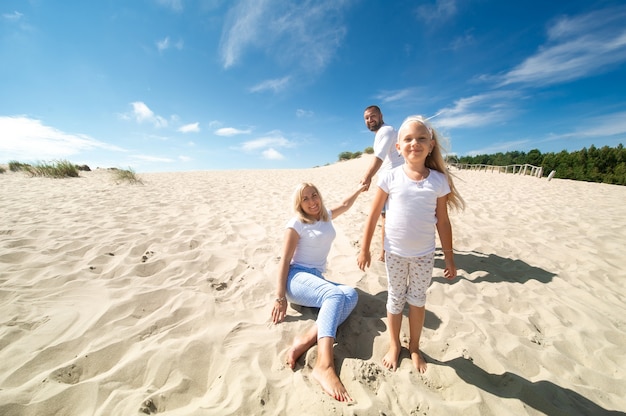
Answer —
308 237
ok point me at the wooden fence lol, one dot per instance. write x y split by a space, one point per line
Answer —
525 169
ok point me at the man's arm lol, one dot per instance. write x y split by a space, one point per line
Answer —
371 171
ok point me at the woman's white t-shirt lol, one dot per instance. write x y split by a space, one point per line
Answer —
410 218
314 243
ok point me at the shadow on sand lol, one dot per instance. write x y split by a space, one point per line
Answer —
355 338
543 396
495 269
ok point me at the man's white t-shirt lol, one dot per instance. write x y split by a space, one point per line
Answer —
411 205
385 148
314 244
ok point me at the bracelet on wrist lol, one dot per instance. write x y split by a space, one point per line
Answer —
280 300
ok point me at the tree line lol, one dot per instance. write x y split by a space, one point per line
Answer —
605 164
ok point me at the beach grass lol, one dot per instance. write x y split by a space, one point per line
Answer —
128 176
15 166
55 169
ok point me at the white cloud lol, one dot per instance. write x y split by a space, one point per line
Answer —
12 16
265 142
300 113
176 5
29 139
190 128
499 147
462 42
478 110
166 44
603 126
272 154
607 125
441 10
577 47
152 159
406 94
230 131
267 146
142 113
275 85
305 33
163 44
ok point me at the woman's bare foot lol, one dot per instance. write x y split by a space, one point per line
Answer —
300 346
390 360
418 361
382 257
328 379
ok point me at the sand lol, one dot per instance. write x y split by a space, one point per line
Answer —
120 299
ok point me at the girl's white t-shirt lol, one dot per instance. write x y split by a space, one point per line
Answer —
410 217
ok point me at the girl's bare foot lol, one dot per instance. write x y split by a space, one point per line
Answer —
418 361
327 378
390 360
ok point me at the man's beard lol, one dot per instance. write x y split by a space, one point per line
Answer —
375 127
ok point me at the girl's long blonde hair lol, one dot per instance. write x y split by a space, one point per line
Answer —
435 160
297 204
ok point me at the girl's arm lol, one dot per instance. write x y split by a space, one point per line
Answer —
364 259
348 202
444 228
279 310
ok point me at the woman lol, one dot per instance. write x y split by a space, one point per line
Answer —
308 237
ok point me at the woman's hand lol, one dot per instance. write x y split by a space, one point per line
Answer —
279 310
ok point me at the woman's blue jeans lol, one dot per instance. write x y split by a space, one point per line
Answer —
308 287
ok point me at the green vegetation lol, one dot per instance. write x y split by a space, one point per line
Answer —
606 164
65 169
2 169
349 155
126 175
15 166
56 169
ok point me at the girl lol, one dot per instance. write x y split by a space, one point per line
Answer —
417 194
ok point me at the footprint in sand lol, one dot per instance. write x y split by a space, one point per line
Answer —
371 375
219 286
146 256
148 407
68 375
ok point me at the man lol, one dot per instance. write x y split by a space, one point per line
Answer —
385 152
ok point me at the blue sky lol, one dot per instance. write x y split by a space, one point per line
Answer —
180 85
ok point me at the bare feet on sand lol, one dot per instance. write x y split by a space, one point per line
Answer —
331 384
418 361
300 346
390 360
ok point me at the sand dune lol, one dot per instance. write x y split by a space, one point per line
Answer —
120 299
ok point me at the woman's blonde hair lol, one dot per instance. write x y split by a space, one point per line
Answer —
435 160
297 204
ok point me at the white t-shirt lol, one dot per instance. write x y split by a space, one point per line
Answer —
410 219
314 244
385 148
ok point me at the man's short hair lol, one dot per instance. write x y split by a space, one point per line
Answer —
374 107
